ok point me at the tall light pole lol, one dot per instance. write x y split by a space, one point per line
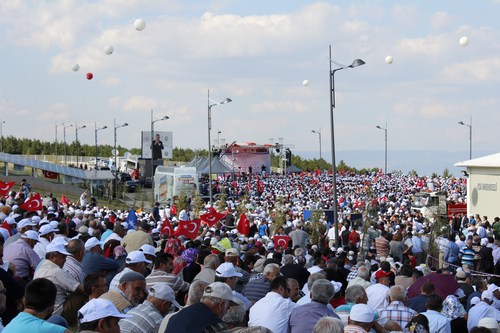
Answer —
331 73
224 101
96 149
64 137
153 121
1 134
319 134
385 130
470 135
78 142
116 152
218 137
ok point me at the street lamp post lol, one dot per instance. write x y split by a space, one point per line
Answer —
153 121
355 63
96 149
116 152
319 135
64 138
224 101
470 135
385 130
218 137
1 134
77 142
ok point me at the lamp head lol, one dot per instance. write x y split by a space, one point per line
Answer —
165 118
84 126
226 100
313 131
104 127
379 127
125 124
461 123
356 63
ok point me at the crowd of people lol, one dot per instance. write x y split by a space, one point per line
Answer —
80 267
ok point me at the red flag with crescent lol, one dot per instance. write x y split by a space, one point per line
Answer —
5 187
173 211
65 200
243 225
281 240
32 204
50 174
166 227
188 228
212 217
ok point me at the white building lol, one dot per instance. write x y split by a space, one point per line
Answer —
483 195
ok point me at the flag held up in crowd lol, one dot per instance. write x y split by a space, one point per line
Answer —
212 217
188 228
244 225
32 204
5 187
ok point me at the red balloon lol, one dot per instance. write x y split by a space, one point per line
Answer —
90 76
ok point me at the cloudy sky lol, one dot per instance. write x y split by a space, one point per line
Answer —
258 53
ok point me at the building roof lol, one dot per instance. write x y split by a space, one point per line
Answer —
488 161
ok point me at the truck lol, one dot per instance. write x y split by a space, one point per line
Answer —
170 182
434 203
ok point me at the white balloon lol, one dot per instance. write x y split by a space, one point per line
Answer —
305 83
75 67
389 59
464 41
108 49
139 24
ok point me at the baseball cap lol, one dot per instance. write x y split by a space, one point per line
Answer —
57 247
226 270
10 220
148 249
91 243
24 223
259 265
381 273
98 308
163 291
460 275
219 290
362 313
46 229
487 295
231 252
30 234
135 257
474 300
488 322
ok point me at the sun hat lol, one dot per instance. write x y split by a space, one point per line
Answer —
99 308
226 270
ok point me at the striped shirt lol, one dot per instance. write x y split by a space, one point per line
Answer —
145 318
74 269
256 288
467 254
173 281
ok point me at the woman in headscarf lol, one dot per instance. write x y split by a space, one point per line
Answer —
455 313
418 324
192 268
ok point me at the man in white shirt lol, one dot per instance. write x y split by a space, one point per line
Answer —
482 309
273 311
438 323
377 293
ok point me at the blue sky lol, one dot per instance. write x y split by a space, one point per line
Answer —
257 53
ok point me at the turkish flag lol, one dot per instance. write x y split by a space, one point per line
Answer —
212 217
188 228
65 200
6 226
166 228
173 210
5 188
32 204
50 174
281 241
243 225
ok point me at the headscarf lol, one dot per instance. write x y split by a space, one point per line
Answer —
452 308
189 255
418 324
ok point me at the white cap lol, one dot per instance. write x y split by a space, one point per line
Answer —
362 313
46 229
487 295
219 290
488 322
91 243
99 308
162 290
135 257
148 249
226 270
10 220
30 234
24 223
36 219
57 247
